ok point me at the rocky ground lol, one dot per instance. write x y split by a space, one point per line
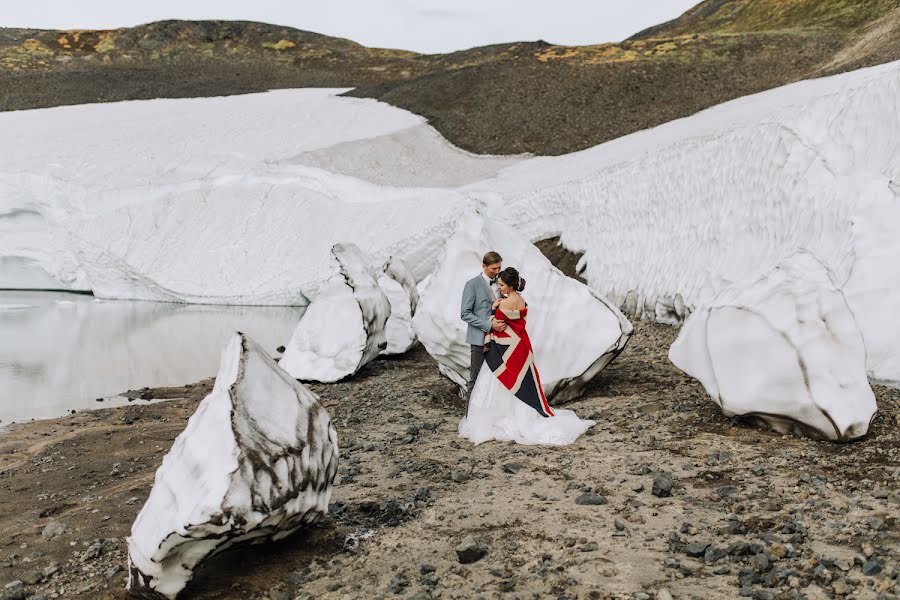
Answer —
663 498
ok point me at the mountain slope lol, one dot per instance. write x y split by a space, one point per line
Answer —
508 98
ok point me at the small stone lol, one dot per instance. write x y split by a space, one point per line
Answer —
470 550
589 547
459 476
875 523
662 485
746 591
93 551
763 595
713 554
664 594
868 550
590 499
276 594
50 570
642 596
637 487
760 562
840 587
112 571
53 529
696 549
280 349
424 569
133 500
32 577
619 525
512 468
14 585
871 567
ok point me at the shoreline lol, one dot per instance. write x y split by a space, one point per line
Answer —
575 521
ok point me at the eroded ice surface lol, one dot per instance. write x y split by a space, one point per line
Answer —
399 285
255 463
61 351
575 331
668 216
343 328
784 347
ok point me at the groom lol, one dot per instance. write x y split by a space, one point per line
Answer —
476 308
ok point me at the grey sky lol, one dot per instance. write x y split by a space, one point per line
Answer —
421 25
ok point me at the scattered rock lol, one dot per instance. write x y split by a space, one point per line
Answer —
696 549
590 499
53 529
871 567
470 550
512 468
662 485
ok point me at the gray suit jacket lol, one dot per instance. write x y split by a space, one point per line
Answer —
475 309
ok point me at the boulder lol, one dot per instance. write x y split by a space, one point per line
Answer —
575 331
344 326
255 463
783 347
399 285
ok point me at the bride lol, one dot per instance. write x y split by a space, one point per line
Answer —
507 402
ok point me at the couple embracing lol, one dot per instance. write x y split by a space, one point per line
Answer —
505 397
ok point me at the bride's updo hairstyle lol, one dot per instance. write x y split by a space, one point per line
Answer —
510 277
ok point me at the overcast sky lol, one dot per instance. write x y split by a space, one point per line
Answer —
421 25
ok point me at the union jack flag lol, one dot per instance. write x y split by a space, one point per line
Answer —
510 356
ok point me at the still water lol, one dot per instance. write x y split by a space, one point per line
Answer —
60 352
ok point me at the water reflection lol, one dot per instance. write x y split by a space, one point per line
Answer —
62 351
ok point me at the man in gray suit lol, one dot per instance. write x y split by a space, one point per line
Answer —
476 310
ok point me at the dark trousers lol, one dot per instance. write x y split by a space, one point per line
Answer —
474 369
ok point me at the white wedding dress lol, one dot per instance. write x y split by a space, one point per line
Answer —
496 414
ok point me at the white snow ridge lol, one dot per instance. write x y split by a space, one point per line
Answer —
669 215
344 327
399 286
255 463
575 331
783 347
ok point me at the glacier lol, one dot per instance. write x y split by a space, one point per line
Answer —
65 169
255 463
665 217
669 216
783 347
344 327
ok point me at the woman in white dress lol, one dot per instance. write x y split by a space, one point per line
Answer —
508 402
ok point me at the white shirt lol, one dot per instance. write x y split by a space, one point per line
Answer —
495 290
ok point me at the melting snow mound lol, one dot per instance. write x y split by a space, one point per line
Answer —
576 332
344 327
399 286
255 463
783 347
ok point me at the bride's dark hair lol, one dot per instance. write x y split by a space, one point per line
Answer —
510 277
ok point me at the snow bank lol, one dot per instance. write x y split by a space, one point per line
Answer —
575 331
783 347
398 284
668 216
82 161
255 463
253 239
344 327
